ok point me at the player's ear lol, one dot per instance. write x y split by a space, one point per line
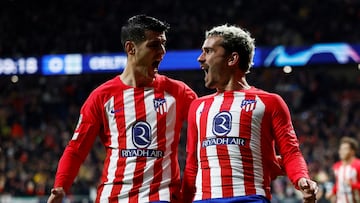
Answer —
130 47
233 59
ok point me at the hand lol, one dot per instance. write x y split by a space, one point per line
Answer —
309 189
57 195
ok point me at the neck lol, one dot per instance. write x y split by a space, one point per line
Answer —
134 78
242 84
235 84
348 161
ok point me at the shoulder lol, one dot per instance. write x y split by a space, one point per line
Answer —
163 80
202 99
337 164
173 86
206 97
107 87
268 98
264 94
357 162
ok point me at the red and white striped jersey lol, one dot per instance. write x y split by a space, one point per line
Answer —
231 145
140 130
347 185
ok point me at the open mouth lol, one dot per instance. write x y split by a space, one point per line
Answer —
205 69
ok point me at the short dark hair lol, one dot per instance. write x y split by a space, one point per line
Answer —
354 145
134 29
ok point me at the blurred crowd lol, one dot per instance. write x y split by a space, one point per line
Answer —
38 115
73 26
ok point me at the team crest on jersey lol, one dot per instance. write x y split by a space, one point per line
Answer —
222 123
160 105
248 104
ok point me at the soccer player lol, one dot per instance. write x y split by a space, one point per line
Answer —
138 116
232 134
347 173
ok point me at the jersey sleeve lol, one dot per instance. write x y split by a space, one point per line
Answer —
188 97
356 184
287 142
191 167
79 146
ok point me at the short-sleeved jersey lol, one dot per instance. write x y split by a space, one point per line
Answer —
140 130
347 185
231 145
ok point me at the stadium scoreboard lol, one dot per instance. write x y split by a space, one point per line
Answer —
278 56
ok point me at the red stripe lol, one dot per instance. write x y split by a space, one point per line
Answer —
223 154
140 161
161 141
246 155
205 164
120 120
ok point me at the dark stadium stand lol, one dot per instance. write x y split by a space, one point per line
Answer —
73 26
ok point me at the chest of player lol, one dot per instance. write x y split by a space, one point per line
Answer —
230 116
140 104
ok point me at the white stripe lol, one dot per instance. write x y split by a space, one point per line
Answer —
198 181
343 187
234 150
247 107
109 106
213 160
347 177
76 134
161 109
340 196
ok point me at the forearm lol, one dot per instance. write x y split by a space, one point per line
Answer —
68 168
295 167
188 185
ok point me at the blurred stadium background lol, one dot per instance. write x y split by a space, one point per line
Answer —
319 77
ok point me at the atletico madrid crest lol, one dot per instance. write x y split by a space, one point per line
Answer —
160 105
248 104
